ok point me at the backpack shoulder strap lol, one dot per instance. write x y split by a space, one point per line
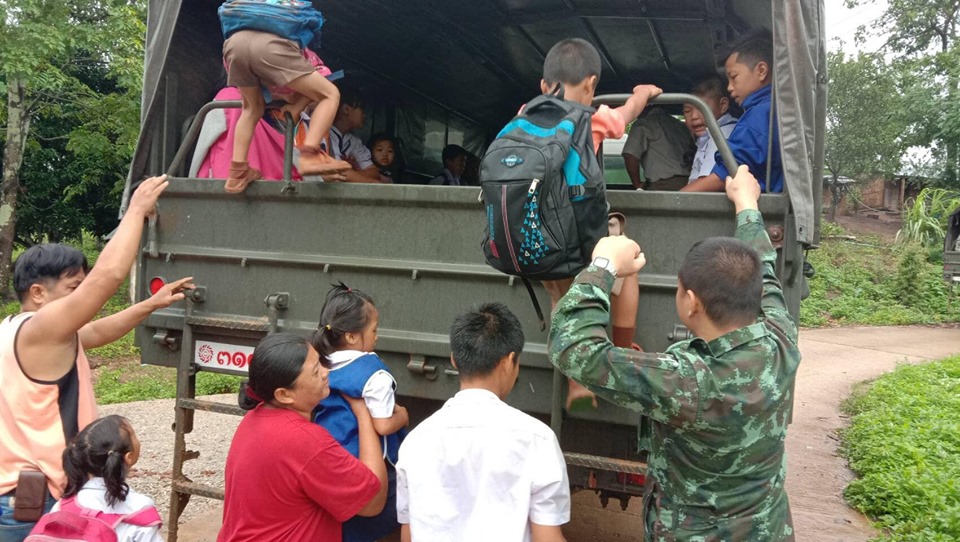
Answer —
145 517
70 506
536 303
546 100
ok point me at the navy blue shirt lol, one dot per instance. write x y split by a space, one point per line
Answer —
749 139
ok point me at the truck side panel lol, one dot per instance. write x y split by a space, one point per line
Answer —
416 250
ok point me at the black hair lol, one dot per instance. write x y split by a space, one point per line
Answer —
396 168
481 337
753 48
46 262
452 152
571 61
345 310
713 86
350 95
277 362
99 450
725 274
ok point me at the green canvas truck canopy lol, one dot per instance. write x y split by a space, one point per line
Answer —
480 59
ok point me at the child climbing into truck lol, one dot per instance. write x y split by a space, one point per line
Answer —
264 47
571 72
347 336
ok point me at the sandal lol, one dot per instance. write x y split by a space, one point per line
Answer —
241 175
316 161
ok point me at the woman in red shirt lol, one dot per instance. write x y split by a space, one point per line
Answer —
287 479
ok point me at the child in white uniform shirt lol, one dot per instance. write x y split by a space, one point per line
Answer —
479 469
97 462
713 91
345 144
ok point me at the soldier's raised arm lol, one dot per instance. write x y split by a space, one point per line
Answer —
744 191
661 386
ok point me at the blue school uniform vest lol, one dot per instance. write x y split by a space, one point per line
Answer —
335 415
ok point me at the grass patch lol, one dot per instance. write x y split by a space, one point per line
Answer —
872 283
904 443
141 383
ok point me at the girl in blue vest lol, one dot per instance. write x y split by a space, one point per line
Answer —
347 336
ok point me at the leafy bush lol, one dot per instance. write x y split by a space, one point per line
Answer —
904 443
925 222
875 284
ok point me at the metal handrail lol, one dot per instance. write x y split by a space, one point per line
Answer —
681 99
194 133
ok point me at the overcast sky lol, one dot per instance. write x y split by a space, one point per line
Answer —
842 24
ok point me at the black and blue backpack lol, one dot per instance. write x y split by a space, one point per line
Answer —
543 192
295 20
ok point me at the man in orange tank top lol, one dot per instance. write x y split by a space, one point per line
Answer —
44 374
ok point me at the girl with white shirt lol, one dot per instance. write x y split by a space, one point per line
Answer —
97 462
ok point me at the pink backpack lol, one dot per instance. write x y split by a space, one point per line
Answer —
74 523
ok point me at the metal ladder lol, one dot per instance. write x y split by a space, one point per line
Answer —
181 486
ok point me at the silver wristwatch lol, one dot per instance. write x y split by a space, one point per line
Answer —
604 263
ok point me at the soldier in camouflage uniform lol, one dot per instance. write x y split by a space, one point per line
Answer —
715 409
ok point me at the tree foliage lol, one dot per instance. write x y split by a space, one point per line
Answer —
866 124
922 40
70 72
865 121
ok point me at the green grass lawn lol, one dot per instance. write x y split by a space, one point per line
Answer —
904 443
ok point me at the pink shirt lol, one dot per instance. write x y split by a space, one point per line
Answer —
606 123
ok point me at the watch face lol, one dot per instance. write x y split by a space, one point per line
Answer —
601 262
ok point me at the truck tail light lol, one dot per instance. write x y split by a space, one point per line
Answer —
631 479
156 283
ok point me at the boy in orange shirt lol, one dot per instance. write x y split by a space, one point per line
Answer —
571 71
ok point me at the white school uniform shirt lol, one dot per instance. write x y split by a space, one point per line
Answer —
349 146
480 470
93 495
706 156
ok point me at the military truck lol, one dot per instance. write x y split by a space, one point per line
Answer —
436 72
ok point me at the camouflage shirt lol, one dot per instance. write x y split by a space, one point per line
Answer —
714 413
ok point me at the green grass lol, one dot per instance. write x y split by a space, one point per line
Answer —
140 383
904 443
869 282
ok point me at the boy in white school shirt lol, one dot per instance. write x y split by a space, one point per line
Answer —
479 469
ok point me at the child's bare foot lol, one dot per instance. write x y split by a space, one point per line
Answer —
241 175
315 161
579 398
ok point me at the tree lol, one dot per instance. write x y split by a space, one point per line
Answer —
865 124
923 37
45 46
77 157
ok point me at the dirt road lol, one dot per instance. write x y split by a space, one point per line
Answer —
833 361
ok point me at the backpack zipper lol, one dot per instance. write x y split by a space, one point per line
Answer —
506 227
533 186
